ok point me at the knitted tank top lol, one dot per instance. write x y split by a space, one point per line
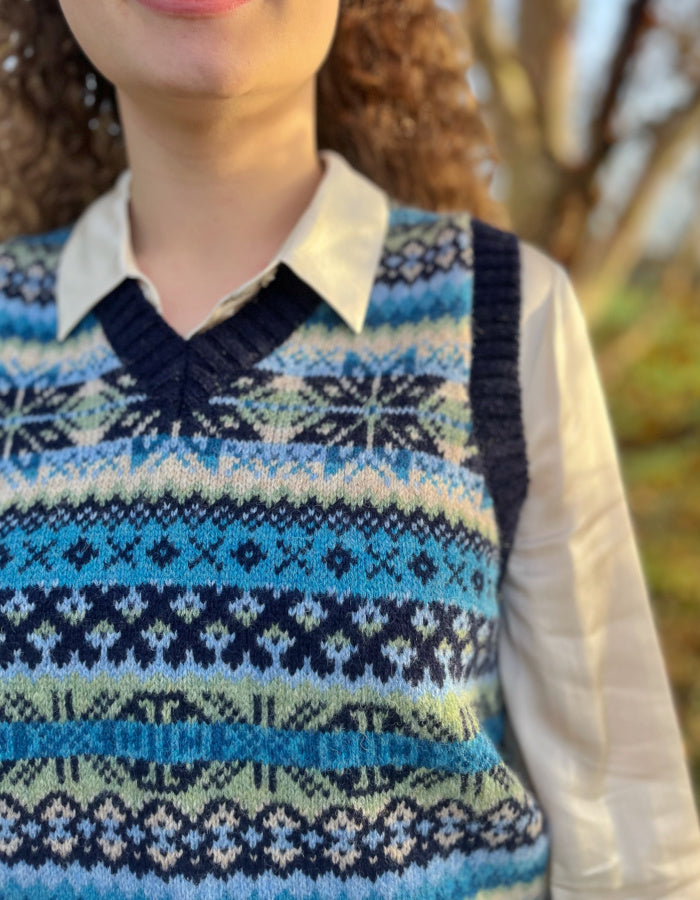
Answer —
249 582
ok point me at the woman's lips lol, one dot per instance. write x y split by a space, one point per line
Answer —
192 8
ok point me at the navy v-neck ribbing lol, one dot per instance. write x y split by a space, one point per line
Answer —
180 370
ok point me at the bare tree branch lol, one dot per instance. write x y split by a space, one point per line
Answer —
579 193
533 173
606 264
513 103
639 20
546 47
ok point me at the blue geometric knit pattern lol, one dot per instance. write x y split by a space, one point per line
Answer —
249 587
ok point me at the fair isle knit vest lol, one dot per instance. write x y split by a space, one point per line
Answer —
249 587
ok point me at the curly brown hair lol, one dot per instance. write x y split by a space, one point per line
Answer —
393 99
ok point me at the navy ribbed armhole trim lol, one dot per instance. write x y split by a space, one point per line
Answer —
495 379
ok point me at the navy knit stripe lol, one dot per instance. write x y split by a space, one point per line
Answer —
495 379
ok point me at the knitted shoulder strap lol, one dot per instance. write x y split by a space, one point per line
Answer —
495 379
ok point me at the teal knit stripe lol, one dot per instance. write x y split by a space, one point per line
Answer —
180 742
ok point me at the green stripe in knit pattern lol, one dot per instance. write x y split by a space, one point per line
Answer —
46 698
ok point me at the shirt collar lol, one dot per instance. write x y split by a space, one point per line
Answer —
335 247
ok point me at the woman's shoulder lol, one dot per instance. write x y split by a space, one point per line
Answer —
28 257
459 238
539 269
28 268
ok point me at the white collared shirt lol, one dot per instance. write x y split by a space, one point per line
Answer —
338 262
594 727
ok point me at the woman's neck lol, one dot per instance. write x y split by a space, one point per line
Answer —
215 191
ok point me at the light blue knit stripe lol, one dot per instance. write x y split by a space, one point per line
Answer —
451 292
179 742
458 877
450 362
403 215
92 363
27 320
403 466
53 239
428 299
447 361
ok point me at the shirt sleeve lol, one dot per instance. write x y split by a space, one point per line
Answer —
590 714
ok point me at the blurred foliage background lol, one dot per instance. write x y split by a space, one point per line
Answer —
595 108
